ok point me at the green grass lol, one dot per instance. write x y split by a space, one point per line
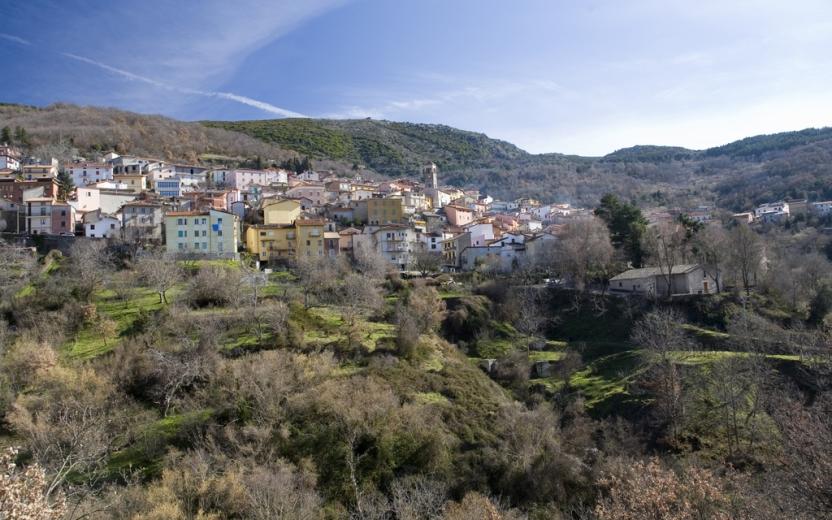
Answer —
430 398
146 453
89 343
603 383
546 355
703 357
705 333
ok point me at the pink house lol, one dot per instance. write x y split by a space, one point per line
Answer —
458 216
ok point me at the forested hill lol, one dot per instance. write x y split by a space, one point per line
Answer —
734 176
387 147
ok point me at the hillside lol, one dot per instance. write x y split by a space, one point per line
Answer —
104 129
388 147
733 176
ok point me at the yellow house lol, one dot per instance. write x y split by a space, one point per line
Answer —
310 238
282 211
385 211
136 182
303 238
271 241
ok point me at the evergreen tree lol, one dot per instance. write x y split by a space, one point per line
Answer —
6 137
627 226
21 137
65 185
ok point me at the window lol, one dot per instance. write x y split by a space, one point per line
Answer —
196 245
219 232
204 233
180 234
204 221
181 246
219 220
180 222
308 243
92 227
205 245
112 226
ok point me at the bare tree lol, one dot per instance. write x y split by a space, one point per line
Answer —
746 255
318 277
666 246
91 262
159 271
528 310
584 251
426 261
660 334
369 262
712 249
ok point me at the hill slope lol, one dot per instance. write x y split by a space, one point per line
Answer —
736 175
384 146
104 129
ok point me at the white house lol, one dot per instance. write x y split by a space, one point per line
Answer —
397 245
772 211
9 158
652 281
86 173
822 208
101 225
243 179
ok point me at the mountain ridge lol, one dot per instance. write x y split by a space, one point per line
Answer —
734 175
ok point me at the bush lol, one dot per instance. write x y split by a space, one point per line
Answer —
213 286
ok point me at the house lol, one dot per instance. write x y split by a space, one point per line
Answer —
310 233
212 232
141 220
45 216
744 218
772 212
136 182
385 211
397 243
822 208
281 211
15 189
86 173
31 172
458 215
168 187
314 192
9 158
243 179
101 225
108 200
301 238
345 239
652 281
452 249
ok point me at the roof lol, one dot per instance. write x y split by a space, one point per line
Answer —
647 272
310 222
89 165
186 213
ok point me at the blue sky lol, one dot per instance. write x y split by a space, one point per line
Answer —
569 76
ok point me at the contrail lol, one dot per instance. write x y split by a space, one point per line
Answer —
13 38
262 105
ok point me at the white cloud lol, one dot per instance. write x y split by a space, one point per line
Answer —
262 105
16 39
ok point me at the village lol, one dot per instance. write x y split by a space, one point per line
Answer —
278 217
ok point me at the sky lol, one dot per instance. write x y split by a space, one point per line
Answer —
570 76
